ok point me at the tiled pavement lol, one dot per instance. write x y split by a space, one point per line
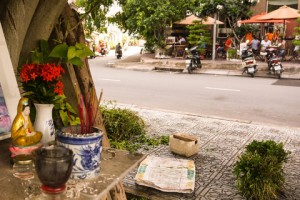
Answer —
222 141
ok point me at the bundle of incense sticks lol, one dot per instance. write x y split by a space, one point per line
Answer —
86 110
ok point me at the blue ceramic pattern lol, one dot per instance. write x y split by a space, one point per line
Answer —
51 125
86 156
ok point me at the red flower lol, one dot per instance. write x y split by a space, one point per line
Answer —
33 75
59 88
41 81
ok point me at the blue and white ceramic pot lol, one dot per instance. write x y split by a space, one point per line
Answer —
86 151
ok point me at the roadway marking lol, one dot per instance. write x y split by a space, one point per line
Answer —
106 79
224 89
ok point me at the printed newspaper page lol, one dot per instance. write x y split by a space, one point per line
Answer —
167 174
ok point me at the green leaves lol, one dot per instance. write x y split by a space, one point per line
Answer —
259 170
71 54
149 18
59 51
126 130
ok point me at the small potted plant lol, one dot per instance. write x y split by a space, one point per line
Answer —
259 170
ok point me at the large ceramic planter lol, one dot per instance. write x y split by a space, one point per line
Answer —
44 122
86 150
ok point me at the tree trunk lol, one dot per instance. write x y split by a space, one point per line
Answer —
42 24
72 25
26 22
15 21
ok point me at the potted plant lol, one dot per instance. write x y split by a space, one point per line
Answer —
75 133
85 140
41 84
259 170
40 79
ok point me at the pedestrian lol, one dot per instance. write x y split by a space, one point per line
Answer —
181 40
270 35
281 43
265 43
276 35
249 37
228 43
255 45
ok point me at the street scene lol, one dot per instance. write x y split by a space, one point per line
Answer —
225 111
150 100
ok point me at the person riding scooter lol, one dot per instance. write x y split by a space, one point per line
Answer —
118 51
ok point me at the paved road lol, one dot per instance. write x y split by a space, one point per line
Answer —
259 100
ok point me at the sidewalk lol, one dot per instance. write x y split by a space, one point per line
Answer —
221 142
147 62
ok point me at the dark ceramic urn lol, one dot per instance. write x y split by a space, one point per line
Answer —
53 165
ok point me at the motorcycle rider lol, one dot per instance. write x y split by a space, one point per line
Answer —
118 49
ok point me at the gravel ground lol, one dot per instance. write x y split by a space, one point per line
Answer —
221 142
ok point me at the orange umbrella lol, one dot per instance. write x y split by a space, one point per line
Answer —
284 12
254 20
189 20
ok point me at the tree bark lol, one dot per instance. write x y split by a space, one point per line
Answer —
28 21
15 21
73 27
42 24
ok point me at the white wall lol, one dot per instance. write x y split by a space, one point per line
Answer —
8 79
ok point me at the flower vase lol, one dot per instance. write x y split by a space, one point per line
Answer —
86 150
44 122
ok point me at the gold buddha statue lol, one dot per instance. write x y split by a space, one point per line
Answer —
22 131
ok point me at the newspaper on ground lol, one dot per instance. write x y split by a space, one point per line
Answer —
167 174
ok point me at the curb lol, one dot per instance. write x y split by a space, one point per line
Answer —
136 108
137 66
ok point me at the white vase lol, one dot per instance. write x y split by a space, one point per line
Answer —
44 122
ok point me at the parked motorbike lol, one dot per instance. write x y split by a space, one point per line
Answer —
274 61
193 61
118 53
248 62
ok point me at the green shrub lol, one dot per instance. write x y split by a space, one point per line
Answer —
259 170
232 53
126 130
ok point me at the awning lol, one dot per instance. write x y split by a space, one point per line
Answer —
282 3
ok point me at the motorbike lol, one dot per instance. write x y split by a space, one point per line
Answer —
103 51
193 62
248 62
221 53
274 61
118 53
